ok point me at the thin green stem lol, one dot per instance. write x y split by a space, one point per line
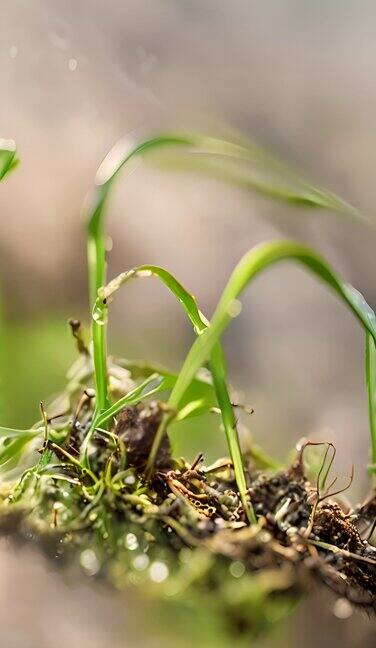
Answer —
100 364
96 256
218 371
96 249
370 367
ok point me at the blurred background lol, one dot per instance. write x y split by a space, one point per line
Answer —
299 78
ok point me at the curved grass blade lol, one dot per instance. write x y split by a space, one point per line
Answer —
12 445
252 167
201 388
258 259
216 362
11 433
254 262
11 451
105 180
246 164
154 384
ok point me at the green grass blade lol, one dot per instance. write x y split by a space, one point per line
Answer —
12 445
244 163
250 166
105 180
201 388
218 370
11 452
257 260
216 361
370 361
8 157
187 300
157 381
165 382
154 384
11 433
100 363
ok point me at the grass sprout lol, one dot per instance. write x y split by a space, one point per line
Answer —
243 163
216 361
105 482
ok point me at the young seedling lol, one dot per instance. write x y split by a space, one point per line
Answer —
243 164
106 465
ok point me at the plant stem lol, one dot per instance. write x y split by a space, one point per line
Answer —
229 423
100 364
96 257
370 367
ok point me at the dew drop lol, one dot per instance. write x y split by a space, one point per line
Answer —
144 273
8 145
99 315
89 562
237 569
141 562
158 572
342 609
131 541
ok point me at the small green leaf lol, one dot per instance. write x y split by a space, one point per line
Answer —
8 158
11 433
10 452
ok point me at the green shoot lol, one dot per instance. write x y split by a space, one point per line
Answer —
254 262
247 165
158 380
370 361
100 363
154 384
12 445
8 157
216 363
